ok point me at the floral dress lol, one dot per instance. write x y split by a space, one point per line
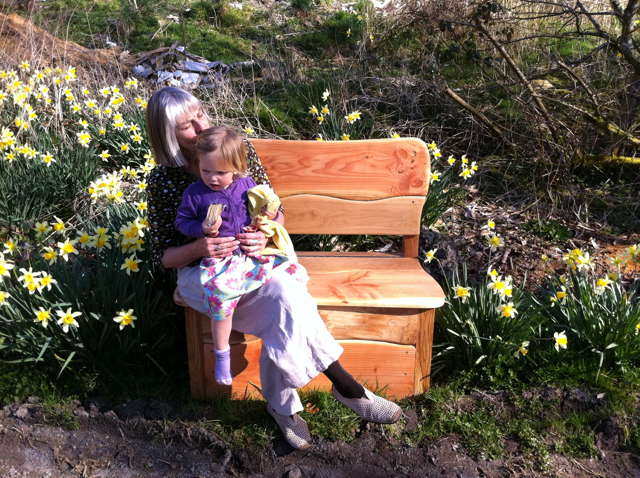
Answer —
225 280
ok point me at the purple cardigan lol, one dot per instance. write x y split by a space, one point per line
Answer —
195 202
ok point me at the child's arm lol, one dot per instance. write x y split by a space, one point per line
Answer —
187 221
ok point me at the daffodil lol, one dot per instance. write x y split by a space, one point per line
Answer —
10 246
125 318
560 341
28 275
67 247
45 282
559 296
435 176
345 137
84 138
104 155
67 319
47 159
507 310
601 284
437 153
325 110
58 225
249 130
431 255
131 264
141 206
523 350
325 95
3 297
495 241
43 316
5 267
124 147
313 110
491 225
353 117
462 293
83 238
49 254
42 228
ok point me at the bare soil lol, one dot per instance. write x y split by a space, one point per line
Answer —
103 443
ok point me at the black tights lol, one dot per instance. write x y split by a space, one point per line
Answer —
343 381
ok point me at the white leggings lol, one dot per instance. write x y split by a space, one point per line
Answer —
296 345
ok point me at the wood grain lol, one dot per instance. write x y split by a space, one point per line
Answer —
424 351
371 282
312 214
398 326
196 359
378 365
362 170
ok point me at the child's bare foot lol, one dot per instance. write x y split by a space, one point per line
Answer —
223 366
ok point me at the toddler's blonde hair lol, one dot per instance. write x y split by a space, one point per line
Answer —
228 141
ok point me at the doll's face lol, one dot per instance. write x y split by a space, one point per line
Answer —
214 172
188 125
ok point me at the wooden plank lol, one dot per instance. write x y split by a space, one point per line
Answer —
364 170
372 282
410 245
195 354
378 365
424 351
398 326
312 214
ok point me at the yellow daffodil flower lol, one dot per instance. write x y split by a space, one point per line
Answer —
67 247
67 319
462 293
3 297
430 255
125 318
131 264
507 310
560 341
43 316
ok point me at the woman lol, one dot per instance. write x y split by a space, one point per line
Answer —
296 344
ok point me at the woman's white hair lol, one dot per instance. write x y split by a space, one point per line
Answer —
163 110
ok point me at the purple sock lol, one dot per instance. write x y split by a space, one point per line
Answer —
223 366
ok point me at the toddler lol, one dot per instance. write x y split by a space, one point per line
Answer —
237 205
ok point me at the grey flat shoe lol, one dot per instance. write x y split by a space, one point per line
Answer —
371 407
294 429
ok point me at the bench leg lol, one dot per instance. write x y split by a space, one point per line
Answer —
195 351
424 348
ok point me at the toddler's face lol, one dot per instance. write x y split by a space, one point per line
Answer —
214 172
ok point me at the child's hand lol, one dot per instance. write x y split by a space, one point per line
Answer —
211 229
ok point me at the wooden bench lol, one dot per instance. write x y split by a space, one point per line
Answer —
380 307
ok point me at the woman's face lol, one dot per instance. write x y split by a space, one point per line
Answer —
188 125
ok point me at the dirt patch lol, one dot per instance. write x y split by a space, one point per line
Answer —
102 443
22 40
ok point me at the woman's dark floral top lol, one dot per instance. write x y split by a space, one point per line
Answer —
165 187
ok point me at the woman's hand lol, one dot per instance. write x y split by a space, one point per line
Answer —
252 242
218 246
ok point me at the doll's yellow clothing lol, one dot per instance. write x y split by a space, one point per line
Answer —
279 242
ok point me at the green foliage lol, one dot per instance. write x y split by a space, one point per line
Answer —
549 229
473 335
443 194
601 322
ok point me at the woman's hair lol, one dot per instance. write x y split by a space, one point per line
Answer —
163 110
228 141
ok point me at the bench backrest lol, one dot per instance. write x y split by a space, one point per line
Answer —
373 186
